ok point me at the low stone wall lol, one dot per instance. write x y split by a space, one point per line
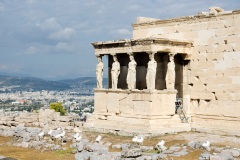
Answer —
10 120
46 118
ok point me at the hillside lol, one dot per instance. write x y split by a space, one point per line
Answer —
30 83
15 83
84 81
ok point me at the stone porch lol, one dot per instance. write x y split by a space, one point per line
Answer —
140 110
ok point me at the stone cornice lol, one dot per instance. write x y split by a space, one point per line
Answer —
188 19
142 45
135 42
145 91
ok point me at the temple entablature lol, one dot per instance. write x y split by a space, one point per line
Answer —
142 64
143 45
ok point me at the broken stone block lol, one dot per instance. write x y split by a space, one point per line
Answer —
131 153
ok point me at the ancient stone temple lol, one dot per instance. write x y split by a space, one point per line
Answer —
195 58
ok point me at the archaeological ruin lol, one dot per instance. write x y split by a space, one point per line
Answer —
195 59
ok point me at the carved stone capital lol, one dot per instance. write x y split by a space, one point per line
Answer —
151 52
99 56
171 54
130 53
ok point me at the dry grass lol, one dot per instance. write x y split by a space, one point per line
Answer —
194 155
169 139
115 139
227 143
30 154
5 139
175 139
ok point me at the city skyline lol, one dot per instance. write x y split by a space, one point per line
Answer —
52 40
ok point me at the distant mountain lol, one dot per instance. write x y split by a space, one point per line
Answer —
16 83
90 81
15 74
30 83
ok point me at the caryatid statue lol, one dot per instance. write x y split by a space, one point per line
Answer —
115 71
151 72
99 72
131 75
170 76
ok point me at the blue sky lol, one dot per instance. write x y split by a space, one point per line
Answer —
51 39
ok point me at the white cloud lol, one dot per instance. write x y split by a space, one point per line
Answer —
90 3
82 25
63 34
49 24
1 7
56 31
134 7
10 67
121 32
64 47
101 9
30 1
31 50
2 67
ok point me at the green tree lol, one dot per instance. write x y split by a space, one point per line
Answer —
58 107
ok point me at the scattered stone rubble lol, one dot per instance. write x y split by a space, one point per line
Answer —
46 118
24 127
28 137
219 153
6 158
86 150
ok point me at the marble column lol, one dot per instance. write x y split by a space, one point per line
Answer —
131 75
115 72
99 72
170 76
151 72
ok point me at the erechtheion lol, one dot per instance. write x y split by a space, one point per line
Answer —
196 58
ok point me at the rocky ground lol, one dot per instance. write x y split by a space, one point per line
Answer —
25 144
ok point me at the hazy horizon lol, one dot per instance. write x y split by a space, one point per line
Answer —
25 76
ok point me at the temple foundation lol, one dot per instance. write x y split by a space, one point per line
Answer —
127 112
